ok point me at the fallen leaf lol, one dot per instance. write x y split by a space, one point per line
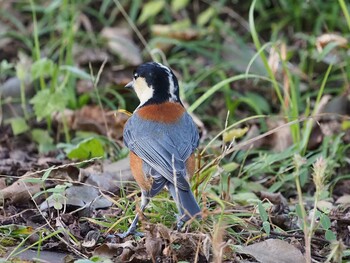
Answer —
122 252
94 119
325 39
113 176
282 138
29 184
120 43
153 246
325 206
81 196
91 238
345 199
273 251
234 133
84 56
274 198
180 30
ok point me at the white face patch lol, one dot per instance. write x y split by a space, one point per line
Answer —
143 91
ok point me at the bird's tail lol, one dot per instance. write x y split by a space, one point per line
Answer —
186 203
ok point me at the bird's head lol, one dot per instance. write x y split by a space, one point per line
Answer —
154 83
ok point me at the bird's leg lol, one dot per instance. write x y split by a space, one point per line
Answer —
157 186
132 229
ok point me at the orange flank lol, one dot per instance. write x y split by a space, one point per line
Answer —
190 165
167 112
137 172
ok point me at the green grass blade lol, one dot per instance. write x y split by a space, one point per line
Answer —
263 57
309 123
220 85
345 11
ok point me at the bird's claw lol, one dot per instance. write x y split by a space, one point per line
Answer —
180 225
130 232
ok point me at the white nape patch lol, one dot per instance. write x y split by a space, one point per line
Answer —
164 67
143 91
172 88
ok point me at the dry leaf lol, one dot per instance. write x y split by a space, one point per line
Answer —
170 31
120 43
325 39
22 190
345 199
324 205
274 60
274 198
94 119
122 252
281 139
91 238
274 251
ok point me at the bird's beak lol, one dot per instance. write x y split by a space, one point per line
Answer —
130 85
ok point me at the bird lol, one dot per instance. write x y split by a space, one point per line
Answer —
162 138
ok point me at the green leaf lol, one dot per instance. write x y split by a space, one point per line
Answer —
89 148
150 9
18 125
263 214
325 221
260 101
16 230
45 102
76 72
298 211
5 65
33 180
330 236
22 67
230 167
345 125
58 201
267 227
177 5
38 194
328 48
99 259
205 16
47 174
245 198
44 140
42 68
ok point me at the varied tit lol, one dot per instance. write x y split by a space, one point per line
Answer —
162 139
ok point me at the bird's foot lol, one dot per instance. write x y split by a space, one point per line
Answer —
131 231
135 234
180 225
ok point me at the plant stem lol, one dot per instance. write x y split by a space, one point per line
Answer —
303 215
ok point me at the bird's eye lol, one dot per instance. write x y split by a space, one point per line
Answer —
136 75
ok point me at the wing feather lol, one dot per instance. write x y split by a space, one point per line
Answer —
163 146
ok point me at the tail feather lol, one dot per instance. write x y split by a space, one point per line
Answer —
185 201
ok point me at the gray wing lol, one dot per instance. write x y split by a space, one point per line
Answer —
163 146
